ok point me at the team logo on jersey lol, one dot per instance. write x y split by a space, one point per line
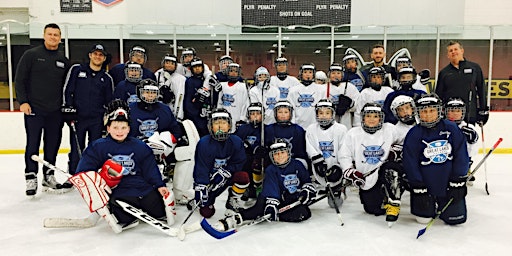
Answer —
291 182
437 152
82 74
305 100
283 92
358 83
126 161
132 98
251 139
373 153
271 102
327 148
380 102
219 163
335 99
148 127
228 100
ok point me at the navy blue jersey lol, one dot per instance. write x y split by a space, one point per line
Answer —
136 157
282 183
118 75
388 114
250 134
432 156
358 79
87 90
126 91
143 123
294 133
193 110
211 155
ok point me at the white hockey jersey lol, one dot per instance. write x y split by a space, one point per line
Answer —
235 99
367 151
177 84
270 98
401 131
303 99
370 95
284 85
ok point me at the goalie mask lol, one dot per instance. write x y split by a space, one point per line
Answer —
224 61
323 117
133 71
307 74
281 65
372 117
138 54
455 110
234 72
376 77
252 113
280 152
147 91
406 78
335 73
430 110
117 110
283 112
403 109
219 124
169 63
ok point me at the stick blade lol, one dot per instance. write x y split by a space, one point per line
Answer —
213 232
421 232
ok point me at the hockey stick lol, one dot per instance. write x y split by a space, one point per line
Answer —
223 234
73 127
471 174
331 195
485 164
141 215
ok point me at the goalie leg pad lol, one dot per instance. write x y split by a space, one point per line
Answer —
170 208
93 189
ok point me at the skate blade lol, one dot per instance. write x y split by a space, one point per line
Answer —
56 191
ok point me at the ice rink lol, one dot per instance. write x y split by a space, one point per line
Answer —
488 230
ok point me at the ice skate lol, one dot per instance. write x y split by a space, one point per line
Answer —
50 185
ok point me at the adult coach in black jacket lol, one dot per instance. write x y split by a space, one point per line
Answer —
39 83
462 78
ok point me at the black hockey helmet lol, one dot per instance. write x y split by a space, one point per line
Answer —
197 62
372 108
219 114
324 104
283 104
376 72
224 61
303 67
189 51
148 86
455 104
255 107
281 60
429 101
335 69
117 110
406 84
169 58
138 51
133 71
278 145
236 68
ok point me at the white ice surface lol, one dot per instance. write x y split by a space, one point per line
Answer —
488 230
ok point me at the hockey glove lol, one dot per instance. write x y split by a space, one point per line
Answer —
355 176
271 208
183 141
68 114
334 174
483 115
166 94
395 153
471 134
214 83
344 104
424 76
307 193
319 164
219 179
457 188
201 195
260 152
202 95
420 198
112 172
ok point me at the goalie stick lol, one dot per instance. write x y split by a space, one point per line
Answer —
141 215
223 234
423 230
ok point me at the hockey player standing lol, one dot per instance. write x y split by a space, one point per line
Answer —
343 95
88 89
436 163
233 96
362 154
286 182
172 85
39 81
141 184
282 80
126 89
265 94
352 74
323 142
219 159
305 96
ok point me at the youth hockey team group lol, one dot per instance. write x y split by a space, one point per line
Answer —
281 142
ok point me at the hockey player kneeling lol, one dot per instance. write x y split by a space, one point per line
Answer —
362 154
128 173
436 161
219 160
286 181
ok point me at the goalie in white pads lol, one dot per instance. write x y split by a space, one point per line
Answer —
119 155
